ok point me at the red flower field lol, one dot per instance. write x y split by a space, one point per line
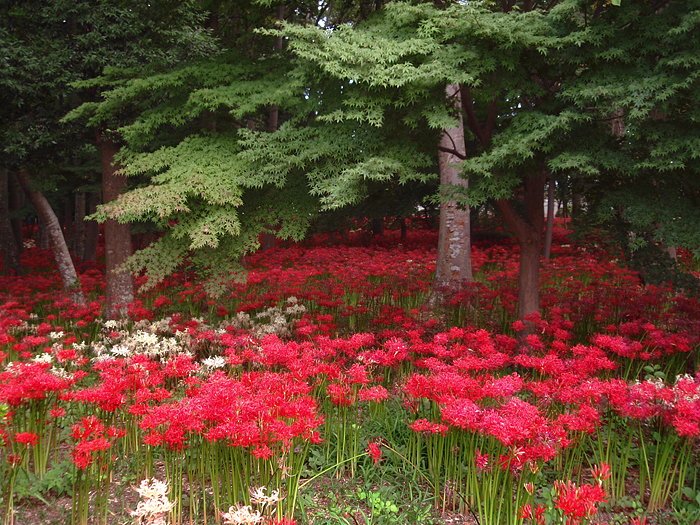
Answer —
326 365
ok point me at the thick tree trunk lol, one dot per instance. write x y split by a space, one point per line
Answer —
42 236
11 262
454 263
528 231
550 221
52 229
120 283
528 276
92 234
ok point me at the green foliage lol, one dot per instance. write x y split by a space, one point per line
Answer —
644 81
686 507
361 108
47 45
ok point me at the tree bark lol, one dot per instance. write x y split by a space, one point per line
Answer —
550 221
528 231
454 264
52 229
11 262
42 237
120 283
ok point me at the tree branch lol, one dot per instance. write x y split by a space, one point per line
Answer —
513 219
473 123
453 152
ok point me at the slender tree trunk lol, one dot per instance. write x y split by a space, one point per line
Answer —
274 111
52 228
378 226
120 283
454 264
79 238
11 261
404 228
528 231
268 238
15 201
550 220
565 204
92 235
672 252
575 201
69 221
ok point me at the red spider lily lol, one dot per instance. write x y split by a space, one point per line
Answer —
57 412
83 453
27 381
426 427
91 437
376 393
14 460
463 413
684 400
28 438
88 426
585 419
341 395
359 374
374 451
263 452
514 423
256 411
481 460
600 473
537 517
576 502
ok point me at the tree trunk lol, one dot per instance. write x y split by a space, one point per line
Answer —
454 263
672 252
69 221
575 200
79 238
52 230
528 231
10 254
550 220
15 202
120 283
268 238
378 226
404 228
42 237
